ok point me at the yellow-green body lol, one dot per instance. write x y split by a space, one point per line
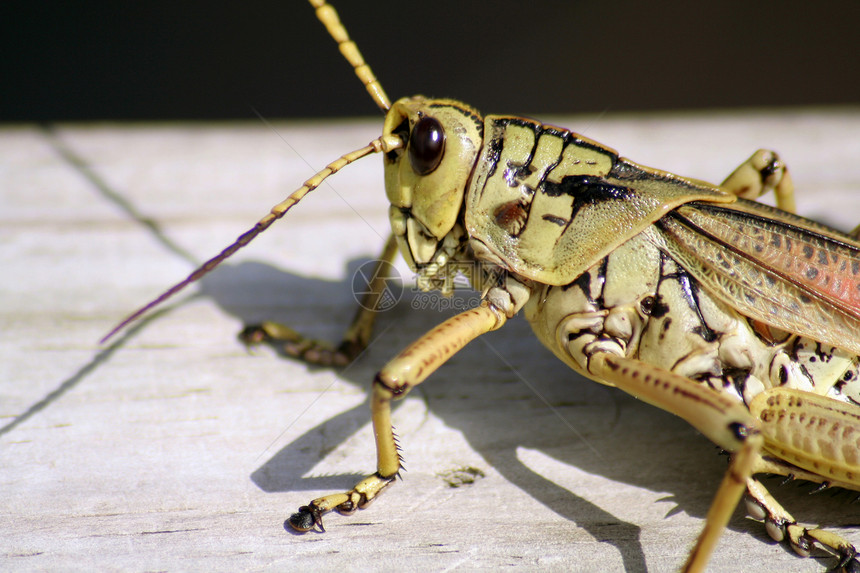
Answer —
680 292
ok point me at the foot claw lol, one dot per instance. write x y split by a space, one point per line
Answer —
253 335
305 519
851 566
848 561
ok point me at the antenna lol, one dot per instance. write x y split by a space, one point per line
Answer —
328 16
380 144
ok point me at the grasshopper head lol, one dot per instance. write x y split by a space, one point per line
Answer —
426 178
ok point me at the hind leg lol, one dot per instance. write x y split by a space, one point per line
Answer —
780 524
762 173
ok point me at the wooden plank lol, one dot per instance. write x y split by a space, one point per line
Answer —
173 448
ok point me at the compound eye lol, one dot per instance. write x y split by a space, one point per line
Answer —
426 145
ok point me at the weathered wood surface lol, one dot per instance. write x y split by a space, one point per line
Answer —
173 448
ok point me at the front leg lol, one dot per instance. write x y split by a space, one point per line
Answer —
357 335
410 368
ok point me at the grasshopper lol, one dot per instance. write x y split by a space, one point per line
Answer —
740 318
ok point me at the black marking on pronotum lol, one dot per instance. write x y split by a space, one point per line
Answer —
504 123
494 153
553 219
586 190
626 171
539 129
516 172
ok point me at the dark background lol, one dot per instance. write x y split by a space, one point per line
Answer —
207 60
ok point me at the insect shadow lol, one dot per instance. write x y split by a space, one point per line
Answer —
504 392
